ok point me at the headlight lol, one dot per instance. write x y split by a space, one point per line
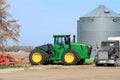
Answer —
112 57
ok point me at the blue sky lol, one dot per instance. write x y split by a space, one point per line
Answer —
40 19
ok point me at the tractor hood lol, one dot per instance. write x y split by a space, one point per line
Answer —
81 44
84 47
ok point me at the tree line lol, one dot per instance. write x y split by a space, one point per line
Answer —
19 48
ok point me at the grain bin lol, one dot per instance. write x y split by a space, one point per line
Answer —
97 26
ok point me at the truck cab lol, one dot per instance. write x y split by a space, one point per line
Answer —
108 53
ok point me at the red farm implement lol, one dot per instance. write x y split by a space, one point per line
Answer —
7 59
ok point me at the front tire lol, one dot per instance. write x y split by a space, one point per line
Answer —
37 57
98 64
70 57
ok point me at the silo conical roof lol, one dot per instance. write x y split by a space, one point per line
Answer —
102 11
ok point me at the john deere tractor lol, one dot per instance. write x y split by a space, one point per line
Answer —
69 53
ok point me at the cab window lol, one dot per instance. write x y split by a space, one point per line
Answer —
59 40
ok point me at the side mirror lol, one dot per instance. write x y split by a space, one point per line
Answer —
97 47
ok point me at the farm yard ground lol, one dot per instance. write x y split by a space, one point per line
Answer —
59 72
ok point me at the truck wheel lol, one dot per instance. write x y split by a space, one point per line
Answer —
98 64
70 57
38 57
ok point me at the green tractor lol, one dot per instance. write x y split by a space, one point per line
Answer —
70 53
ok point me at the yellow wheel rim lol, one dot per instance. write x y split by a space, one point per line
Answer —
69 57
36 57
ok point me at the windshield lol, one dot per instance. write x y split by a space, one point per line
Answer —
61 40
107 44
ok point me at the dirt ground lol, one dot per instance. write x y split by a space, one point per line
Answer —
60 72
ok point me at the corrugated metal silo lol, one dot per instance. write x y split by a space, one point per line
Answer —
98 25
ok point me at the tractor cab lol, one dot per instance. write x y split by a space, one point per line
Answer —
61 43
62 40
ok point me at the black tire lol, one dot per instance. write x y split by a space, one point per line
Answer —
44 60
75 55
98 64
110 65
51 62
81 61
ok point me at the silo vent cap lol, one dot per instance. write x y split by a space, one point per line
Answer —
102 11
106 11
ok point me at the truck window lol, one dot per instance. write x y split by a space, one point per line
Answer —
108 44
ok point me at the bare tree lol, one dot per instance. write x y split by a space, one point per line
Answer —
9 28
